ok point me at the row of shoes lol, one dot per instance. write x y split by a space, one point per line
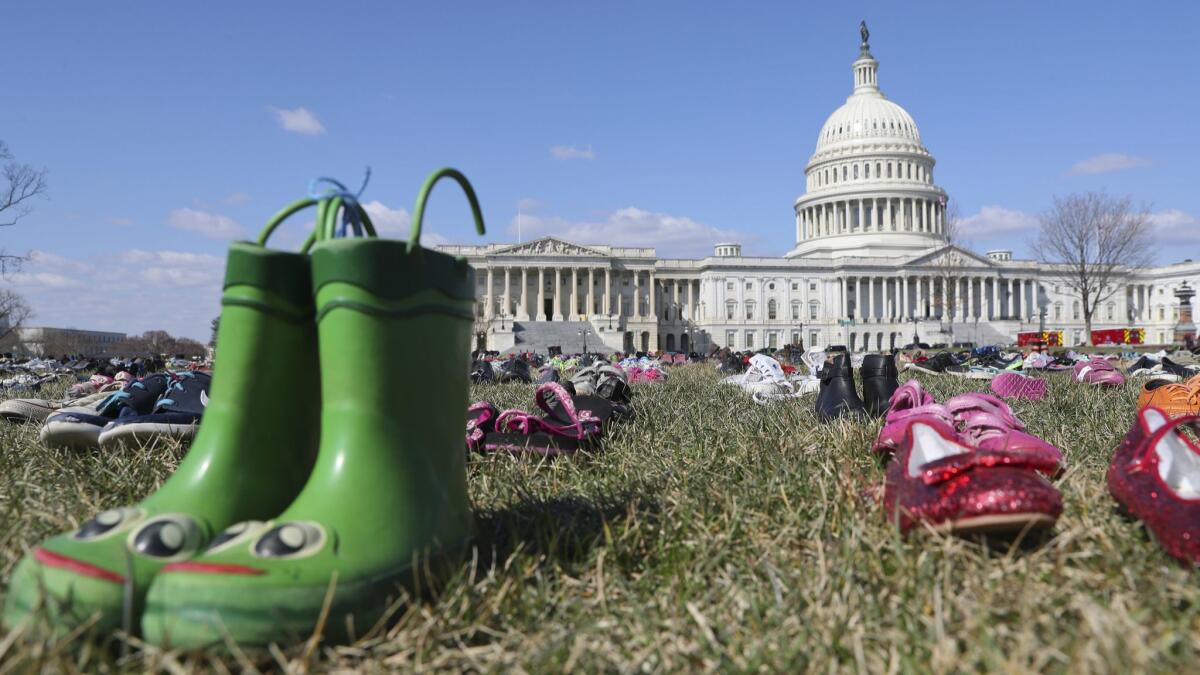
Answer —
567 423
969 465
161 405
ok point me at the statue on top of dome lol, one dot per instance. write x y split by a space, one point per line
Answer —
866 34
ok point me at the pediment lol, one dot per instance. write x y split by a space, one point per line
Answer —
953 257
548 246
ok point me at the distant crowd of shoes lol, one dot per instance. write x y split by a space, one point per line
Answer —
110 408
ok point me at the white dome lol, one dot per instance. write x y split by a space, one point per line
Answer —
870 118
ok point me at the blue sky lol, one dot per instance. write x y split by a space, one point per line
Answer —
169 129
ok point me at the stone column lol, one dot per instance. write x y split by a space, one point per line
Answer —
691 313
653 296
540 310
675 300
871 298
845 298
507 307
637 294
558 303
1012 288
862 223
489 311
995 298
573 313
525 293
608 308
904 298
591 293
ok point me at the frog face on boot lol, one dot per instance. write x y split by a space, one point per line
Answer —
83 574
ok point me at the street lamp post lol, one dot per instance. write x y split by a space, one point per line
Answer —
583 333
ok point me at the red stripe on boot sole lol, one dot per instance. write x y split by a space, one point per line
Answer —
211 568
62 562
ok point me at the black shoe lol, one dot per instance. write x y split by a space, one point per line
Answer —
481 372
942 362
1184 372
514 370
1142 362
878 383
176 414
838 396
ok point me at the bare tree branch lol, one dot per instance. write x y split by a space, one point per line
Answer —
13 312
21 183
1096 239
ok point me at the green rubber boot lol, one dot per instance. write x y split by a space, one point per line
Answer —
252 454
389 491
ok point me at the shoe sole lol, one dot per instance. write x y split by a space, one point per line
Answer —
967 376
143 434
70 435
19 411
996 524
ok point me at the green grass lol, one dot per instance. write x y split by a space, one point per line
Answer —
710 534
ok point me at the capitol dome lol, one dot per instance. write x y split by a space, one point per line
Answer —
869 187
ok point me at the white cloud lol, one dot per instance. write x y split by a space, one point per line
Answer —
993 221
208 224
237 199
572 152
300 121
1175 227
631 226
1107 162
131 291
395 223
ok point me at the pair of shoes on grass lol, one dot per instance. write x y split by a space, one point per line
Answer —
1098 372
26 410
162 405
568 421
296 506
965 466
838 396
945 363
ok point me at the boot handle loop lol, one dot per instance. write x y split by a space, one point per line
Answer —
414 237
283 214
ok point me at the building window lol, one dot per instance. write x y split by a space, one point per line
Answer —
749 339
889 165
795 337
749 310
749 285
843 173
867 170
730 338
910 170
812 311
795 311
1075 310
855 172
730 310
1162 313
1111 311
795 286
773 339
812 338
771 287
812 286
771 310
1058 311
729 285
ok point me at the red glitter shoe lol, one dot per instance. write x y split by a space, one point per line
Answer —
1155 476
938 479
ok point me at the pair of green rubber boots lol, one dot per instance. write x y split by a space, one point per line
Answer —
293 495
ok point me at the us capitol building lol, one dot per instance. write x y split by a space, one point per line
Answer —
871 269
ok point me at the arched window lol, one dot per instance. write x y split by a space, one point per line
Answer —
878 170
889 170
910 170
826 181
867 170
844 173
770 309
855 172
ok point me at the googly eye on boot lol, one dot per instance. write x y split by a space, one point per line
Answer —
172 536
107 523
290 540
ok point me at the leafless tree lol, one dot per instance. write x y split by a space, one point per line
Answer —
13 312
19 184
1094 239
